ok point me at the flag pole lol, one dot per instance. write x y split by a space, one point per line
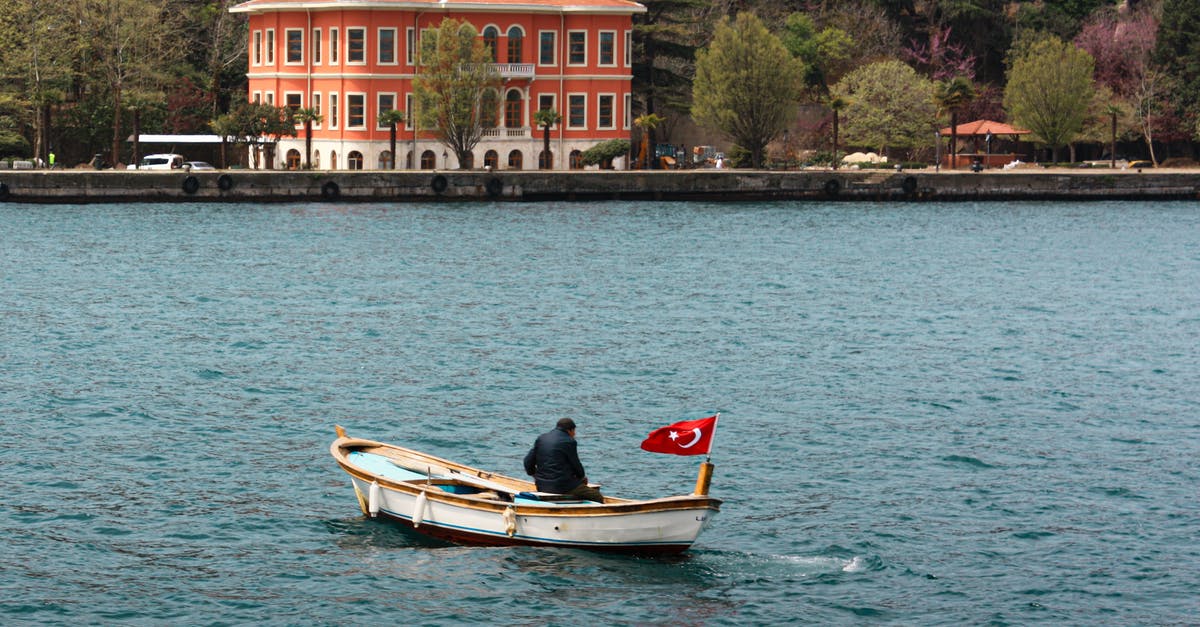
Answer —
704 479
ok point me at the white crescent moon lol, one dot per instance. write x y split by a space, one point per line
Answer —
694 440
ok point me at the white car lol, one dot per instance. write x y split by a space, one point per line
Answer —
198 165
158 162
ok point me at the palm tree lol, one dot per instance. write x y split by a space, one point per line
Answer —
1113 111
836 103
950 97
391 119
307 116
647 122
546 118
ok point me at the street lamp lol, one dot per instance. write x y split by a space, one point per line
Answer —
937 141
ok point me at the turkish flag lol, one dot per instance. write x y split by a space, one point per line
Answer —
688 437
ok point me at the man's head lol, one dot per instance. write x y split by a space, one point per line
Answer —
566 424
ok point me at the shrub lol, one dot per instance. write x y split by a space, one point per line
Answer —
604 152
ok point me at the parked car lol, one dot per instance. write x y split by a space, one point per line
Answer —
1133 165
198 165
159 162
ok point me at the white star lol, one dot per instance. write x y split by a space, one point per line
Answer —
674 436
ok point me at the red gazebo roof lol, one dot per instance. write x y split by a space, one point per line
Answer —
984 127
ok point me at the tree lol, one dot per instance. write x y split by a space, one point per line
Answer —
823 52
950 97
665 38
546 118
131 47
37 46
747 84
1049 89
455 86
647 122
391 119
308 116
602 154
890 106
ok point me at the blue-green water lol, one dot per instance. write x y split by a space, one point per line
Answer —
931 414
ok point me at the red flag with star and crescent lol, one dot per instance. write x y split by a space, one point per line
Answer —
687 437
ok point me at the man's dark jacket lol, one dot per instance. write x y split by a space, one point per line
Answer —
554 462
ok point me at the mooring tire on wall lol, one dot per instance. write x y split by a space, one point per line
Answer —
832 187
3 192
439 184
225 182
191 185
909 184
494 187
330 191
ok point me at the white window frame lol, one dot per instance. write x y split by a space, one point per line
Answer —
584 97
298 94
395 45
333 110
366 45
350 126
269 98
585 50
553 48
612 120
335 46
408 112
256 57
379 107
256 97
270 46
410 45
315 53
628 48
627 114
315 103
600 48
287 32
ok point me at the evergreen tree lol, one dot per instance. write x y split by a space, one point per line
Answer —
747 84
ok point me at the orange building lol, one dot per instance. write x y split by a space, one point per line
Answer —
351 59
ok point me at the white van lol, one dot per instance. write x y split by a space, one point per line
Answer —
159 162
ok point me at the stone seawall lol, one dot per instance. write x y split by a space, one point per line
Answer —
475 185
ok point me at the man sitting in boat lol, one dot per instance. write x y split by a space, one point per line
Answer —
554 463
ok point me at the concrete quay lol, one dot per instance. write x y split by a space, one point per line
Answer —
86 186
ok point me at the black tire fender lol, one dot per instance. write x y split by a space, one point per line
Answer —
909 184
3 192
191 185
495 186
439 184
330 191
225 182
833 187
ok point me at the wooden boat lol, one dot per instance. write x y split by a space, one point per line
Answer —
453 502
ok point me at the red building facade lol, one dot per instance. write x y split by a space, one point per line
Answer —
351 59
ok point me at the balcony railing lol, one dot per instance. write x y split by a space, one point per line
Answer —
521 132
512 70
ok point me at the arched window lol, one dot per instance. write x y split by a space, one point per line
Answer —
491 39
316 159
545 160
491 159
514 114
516 44
514 160
576 160
293 159
428 160
385 160
354 161
332 159
408 161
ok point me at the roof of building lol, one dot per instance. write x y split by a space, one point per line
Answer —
984 127
506 6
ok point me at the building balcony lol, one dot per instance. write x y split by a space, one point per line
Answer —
507 133
514 70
